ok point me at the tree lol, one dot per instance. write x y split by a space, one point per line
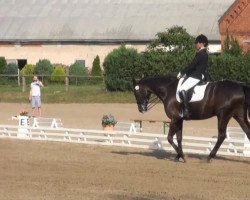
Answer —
58 74
77 70
170 52
119 68
28 70
11 71
2 64
175 39
231 46
96 68
44 68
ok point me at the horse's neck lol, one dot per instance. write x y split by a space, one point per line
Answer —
164 90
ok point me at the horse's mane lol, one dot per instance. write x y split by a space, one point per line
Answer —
157 80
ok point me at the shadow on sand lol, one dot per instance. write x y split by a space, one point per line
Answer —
162 154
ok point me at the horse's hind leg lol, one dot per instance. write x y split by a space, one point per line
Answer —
176 128
244 123
222 128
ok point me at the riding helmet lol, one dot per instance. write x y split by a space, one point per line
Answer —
201 39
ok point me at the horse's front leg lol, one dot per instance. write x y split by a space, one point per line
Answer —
176 128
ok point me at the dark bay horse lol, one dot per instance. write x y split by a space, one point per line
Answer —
224 99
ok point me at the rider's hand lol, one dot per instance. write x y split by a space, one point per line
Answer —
179 75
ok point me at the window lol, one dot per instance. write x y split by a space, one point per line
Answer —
81 62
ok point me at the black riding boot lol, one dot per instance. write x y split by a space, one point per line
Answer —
183 95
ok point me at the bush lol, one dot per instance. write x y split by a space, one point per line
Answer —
119 68
28 71
2 64
96 68
44 68
230 67
77 70
11 71
169 53
156 62
58 74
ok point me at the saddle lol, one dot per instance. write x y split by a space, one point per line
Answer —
194 94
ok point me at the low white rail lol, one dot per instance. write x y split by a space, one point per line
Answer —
197 145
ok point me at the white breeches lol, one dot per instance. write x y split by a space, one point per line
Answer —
189 83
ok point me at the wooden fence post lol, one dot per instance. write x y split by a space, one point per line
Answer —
23 84
67 80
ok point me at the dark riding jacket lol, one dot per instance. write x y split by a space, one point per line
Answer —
198 66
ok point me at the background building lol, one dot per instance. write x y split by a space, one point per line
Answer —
236 23
64 31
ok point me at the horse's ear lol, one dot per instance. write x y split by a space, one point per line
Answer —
134 82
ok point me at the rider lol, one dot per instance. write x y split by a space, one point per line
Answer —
194 72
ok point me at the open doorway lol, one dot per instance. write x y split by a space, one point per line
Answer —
21 63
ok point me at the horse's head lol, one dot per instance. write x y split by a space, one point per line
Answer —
150 90
142 96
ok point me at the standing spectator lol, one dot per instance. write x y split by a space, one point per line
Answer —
35 95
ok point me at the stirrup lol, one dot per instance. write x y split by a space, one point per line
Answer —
181 114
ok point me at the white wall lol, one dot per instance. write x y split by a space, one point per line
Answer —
65 54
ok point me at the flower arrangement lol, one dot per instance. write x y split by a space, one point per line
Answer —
108 120
24 113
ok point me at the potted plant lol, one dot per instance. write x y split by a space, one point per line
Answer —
24 113
108 122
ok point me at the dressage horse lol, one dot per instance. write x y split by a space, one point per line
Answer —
225 99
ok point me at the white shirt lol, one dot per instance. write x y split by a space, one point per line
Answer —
35 88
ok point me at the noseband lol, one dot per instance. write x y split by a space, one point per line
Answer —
151 102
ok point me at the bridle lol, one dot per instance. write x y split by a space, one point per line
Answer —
153 100
150 102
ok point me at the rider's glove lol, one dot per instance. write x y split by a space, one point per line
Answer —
179 75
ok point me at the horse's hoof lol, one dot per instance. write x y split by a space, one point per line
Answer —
209 160
183 159
177 159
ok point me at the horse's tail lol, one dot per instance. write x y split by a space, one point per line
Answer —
247 98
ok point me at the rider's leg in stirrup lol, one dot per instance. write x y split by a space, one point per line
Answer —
189 83
185 110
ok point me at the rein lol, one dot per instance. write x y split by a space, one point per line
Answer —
152 102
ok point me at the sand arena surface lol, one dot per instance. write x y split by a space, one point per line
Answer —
51 170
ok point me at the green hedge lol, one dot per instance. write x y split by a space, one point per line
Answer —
123 64
170 52
230 67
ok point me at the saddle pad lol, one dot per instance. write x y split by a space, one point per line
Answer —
197 95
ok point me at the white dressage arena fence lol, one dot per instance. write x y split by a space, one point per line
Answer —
191 144
46 122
